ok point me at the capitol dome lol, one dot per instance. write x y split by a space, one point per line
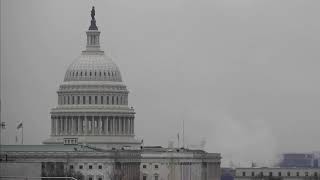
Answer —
93 101
93 67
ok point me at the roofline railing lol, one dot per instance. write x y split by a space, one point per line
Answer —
26 177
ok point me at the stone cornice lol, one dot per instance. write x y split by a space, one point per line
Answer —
92 112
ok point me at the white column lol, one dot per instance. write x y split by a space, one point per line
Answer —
75 125
93 126
59 126
124 125
79 125
132 125
113 125
120 125
57 130
86 123
52 125
129 125
106 121
65 125
117 124
100 125
72 125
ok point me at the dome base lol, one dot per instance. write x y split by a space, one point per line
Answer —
105 142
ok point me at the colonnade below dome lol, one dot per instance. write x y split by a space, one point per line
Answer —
92 126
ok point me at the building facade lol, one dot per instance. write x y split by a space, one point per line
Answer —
92 132
277 173
159 163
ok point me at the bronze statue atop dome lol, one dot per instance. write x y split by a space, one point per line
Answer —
93 25
93 13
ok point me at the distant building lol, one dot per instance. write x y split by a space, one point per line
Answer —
277 173
297 160
227 173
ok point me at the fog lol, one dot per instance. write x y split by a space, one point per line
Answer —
242 74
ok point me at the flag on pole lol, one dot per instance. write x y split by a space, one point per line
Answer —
19 125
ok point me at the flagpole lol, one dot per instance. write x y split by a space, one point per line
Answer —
183 133
22 133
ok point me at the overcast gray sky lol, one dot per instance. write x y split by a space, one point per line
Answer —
243 74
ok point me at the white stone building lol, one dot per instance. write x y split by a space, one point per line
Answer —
159 163
92 131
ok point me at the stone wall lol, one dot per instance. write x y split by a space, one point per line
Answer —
19 169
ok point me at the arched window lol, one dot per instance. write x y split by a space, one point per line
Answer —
83 100
89 99
156 177
101 100
107 99
144 177
68 99
96 100
117 100
72 99
112 100
78 102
